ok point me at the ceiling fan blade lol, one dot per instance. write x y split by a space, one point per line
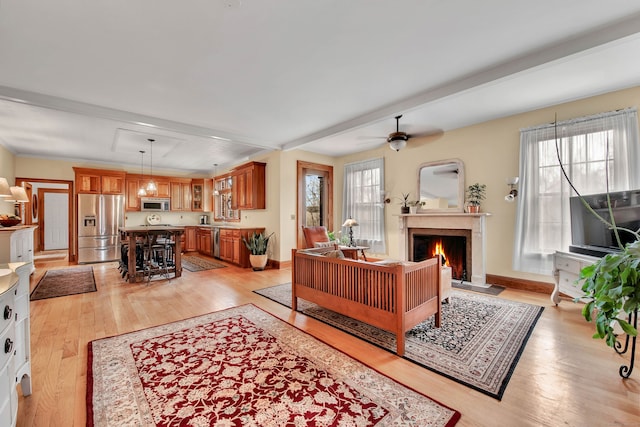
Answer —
370 137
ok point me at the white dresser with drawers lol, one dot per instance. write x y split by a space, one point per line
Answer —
15 353
566 270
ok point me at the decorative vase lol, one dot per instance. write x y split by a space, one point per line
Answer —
413 209
404 209
473 208
258 262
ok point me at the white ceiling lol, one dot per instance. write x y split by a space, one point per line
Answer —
218 81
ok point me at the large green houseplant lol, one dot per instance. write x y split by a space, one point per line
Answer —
257 243
611 286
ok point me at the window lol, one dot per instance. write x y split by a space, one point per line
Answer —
588 147
362 200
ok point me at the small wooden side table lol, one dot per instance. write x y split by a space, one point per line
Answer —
352 251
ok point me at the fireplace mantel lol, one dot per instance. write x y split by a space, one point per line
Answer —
451 221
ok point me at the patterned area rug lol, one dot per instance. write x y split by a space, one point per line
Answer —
194 263
67 281
478 344
243 366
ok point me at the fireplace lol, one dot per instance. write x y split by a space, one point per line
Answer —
454 245
454 228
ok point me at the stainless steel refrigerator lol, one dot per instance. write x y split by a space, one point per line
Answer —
99 218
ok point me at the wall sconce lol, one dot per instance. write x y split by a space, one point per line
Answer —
350 223
513 191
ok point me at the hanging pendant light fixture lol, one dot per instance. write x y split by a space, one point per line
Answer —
141 191
152 189
215 172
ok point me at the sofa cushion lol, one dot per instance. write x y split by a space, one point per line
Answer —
331 244
334 254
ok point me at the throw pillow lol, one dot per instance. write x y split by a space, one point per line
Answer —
335 254
324 244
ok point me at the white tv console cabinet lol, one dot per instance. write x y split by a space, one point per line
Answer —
566 270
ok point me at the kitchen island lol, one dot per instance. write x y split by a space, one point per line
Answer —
139 243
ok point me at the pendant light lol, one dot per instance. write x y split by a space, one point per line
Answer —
141 191
152 189
215 171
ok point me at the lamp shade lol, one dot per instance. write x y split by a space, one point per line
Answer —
350 222
4 188
18 195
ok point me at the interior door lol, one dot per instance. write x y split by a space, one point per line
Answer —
55 219
315 197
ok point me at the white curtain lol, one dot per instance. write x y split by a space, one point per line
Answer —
543 222
362 201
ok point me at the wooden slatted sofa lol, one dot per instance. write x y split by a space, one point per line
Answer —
394 296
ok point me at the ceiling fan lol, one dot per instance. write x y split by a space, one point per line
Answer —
398 140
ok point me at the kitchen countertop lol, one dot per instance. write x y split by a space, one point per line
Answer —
146 228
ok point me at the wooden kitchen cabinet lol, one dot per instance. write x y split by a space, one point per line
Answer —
190 239
99 181
249 186
181 195
113 184
132 201
232 248
203 238
164 188
201 190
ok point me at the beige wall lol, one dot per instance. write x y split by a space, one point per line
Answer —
7 170
489 151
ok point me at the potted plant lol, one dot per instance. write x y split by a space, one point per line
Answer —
257 244
415 205
405 203
612 285
476 193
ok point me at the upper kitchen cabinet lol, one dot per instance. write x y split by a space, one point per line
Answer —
132 185
249 186
201 190
164 187
180 194
99 181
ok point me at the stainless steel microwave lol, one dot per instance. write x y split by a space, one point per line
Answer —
156 204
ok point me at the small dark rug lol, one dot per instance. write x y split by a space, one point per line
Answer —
478 344
491 290
63 282
194 263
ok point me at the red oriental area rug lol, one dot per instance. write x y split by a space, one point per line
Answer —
243 367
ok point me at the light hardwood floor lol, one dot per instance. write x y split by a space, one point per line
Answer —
563 378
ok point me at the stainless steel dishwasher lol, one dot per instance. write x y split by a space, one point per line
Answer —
215 241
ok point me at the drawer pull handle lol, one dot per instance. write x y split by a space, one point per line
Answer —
7 312
8 346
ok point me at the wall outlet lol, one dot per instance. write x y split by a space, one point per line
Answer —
293 216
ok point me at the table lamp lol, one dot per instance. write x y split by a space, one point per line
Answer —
350 223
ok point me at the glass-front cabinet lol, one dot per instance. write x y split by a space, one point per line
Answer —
201 195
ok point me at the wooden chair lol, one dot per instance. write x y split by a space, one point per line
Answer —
315 234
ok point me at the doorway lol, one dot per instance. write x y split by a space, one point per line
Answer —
315 197
59 225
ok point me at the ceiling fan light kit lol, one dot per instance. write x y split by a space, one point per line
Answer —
397 140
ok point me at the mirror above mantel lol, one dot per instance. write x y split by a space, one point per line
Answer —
441 186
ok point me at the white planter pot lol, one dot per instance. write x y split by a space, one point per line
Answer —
258 262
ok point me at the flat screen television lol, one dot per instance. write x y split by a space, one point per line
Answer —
591 236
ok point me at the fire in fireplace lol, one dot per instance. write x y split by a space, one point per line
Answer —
454 245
